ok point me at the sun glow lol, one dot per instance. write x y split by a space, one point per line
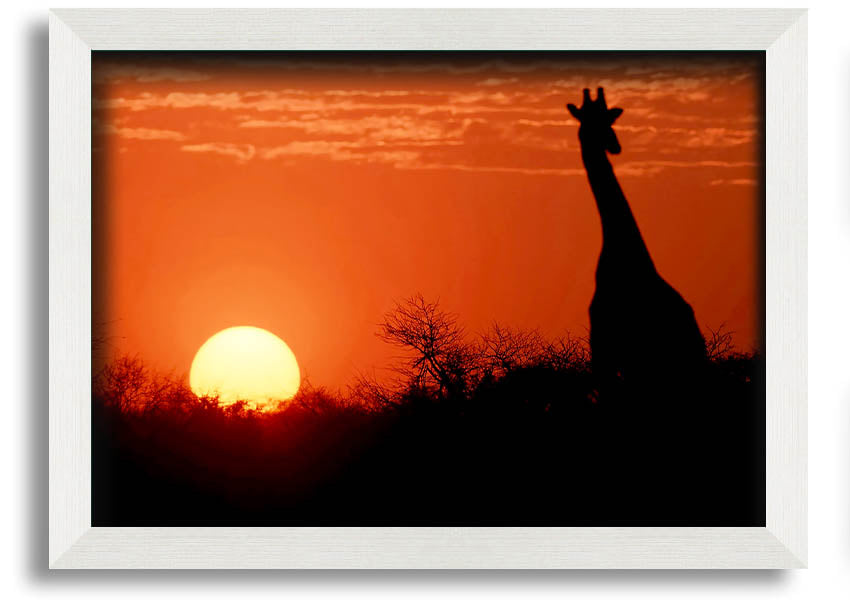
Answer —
245 363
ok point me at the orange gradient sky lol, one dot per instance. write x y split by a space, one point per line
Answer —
306 193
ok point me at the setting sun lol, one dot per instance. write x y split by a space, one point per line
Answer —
245 363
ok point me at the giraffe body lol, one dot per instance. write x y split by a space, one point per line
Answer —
641 329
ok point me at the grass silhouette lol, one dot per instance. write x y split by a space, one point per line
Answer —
505 428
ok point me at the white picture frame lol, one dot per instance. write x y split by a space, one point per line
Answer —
74 543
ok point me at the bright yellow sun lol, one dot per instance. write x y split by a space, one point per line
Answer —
245 363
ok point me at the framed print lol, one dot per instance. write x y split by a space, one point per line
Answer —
427 289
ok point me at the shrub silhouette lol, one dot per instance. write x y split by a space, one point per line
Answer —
501 428
439 358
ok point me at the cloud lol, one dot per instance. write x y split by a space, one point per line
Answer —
719 137
495 81
480 117
335 101
748 182
471 64
142 133
497 169
400 159
348 151
375 129
357 152
653 167
406 65
113 72
640 87
242 152
548 122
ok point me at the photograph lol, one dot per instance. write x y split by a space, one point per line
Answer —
436 289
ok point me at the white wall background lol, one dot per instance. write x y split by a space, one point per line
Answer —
23 220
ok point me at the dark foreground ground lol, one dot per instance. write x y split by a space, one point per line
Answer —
531 447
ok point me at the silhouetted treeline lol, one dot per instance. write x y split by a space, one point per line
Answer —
504 428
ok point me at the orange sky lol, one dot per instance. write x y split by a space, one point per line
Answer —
305 193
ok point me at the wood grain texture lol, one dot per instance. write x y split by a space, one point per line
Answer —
428 29
786 288
70 289
427 547
75 544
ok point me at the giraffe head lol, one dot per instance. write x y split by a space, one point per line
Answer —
596 131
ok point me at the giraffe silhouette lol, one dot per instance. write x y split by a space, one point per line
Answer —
641 329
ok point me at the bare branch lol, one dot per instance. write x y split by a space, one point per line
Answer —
438 353
719 343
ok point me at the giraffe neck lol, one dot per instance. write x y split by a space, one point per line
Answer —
621 236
